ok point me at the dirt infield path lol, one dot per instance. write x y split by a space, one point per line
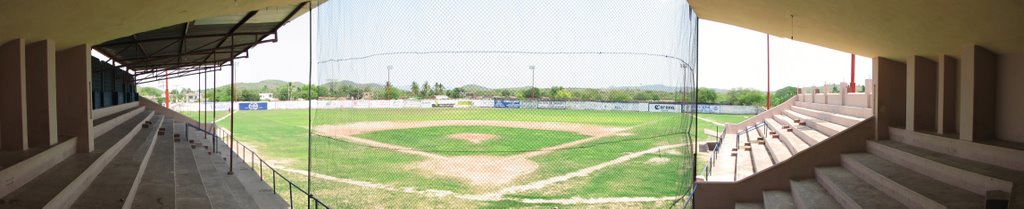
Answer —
579 173
499 196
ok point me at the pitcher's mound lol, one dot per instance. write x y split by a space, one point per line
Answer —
473 137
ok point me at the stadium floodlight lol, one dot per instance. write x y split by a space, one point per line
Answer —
388 84
533 81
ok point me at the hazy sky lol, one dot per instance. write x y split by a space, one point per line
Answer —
729 56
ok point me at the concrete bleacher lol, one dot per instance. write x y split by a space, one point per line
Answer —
778 134
910 170
136 163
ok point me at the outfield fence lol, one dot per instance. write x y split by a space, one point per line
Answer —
479 103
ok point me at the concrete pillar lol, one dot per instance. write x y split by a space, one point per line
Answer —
74 95
890 95
921 96
13 123
41 86
869 90
977 94
843 90
947 99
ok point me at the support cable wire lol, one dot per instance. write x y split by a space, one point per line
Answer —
506 52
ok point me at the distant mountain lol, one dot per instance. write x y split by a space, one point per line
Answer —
656 87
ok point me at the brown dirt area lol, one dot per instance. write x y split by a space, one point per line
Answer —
481 170
474 138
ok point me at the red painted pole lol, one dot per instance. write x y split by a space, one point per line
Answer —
167 91
768 42
853 61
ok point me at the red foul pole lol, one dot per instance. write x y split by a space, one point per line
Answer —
167 91
768 42
853 64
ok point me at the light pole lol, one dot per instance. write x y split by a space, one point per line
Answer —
388 85
533 81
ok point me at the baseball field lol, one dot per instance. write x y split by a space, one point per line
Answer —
479 158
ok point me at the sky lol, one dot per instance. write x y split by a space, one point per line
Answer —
729 56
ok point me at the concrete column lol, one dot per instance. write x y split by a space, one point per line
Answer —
890 95
13 123
977 94
947 99
843 90
41 86
921 96
869 90
74 95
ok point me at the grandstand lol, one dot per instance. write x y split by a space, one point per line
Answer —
810 117
75 134
936 127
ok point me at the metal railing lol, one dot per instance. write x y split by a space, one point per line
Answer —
255 160
718 145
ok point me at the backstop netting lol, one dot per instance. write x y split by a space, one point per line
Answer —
469 104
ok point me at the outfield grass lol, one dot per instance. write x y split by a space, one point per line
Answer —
281 136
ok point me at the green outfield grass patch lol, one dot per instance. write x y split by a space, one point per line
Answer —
633 178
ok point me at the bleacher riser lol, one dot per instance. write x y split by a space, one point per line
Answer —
67 197
974 182
827 116
100 129
25 171
859 112
106 111
157 124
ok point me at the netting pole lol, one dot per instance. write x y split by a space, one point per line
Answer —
213 141
696 114
768 91
309 113
231 155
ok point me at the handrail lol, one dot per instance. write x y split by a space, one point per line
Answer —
714 155
252 164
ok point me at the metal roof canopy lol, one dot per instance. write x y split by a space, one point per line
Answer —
197 46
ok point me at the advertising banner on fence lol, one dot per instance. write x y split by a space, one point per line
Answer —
501 103
664 108
443 103
252 106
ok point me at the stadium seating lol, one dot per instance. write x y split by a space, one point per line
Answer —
136 163
779 134
832 164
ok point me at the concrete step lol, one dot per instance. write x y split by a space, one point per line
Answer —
777 150
189 191
859 112
218 191
744 164
749 205
249 188
101 126
806 134
808 194
156 189
792 142
843 120
20 167
777 199
60 186
969 175
724 167
759 154
852 192
825 127
910 188
1001 156
118 178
